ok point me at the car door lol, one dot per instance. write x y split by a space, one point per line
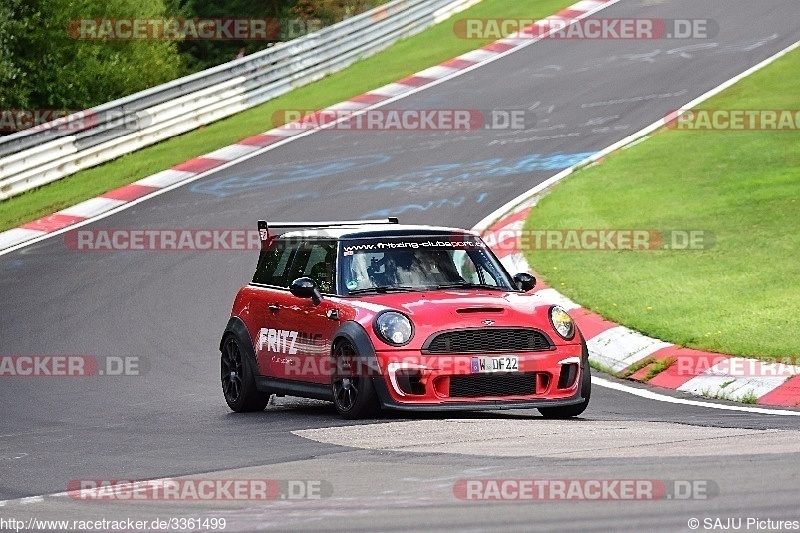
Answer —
271 340
310 326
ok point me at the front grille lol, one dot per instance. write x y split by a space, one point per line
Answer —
487 340
492 385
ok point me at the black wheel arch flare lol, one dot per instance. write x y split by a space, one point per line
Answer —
238 329
356 335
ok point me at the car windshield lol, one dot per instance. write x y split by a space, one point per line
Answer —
421 263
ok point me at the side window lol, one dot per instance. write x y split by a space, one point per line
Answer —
486 273
316 260
471 272
466 268
272 265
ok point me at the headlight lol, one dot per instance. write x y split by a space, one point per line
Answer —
394 328
562 322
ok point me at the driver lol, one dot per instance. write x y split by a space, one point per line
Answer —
398 267
428 266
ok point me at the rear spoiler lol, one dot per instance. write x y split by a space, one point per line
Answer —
267 237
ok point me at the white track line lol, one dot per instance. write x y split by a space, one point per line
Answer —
650 395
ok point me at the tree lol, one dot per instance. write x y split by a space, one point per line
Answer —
205 54
294 16
332 11
43 66
12 78
46 64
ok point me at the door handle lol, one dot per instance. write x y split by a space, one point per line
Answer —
274 308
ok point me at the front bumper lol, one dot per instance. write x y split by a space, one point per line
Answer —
482 405
415 381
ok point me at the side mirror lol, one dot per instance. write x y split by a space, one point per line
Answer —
306 288
524 281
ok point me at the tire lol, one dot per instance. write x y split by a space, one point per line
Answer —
238 380
570 411
353 396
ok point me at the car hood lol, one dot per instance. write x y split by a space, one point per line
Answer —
433 311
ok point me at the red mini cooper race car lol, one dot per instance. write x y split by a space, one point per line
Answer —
375 314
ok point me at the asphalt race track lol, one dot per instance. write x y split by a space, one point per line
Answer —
397 473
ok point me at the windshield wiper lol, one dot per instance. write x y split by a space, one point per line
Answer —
384 289
468 285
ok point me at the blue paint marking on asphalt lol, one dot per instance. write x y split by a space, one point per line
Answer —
284 175
425 206
476 174
443 175
455 174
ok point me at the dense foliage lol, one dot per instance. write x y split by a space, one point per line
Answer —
44 65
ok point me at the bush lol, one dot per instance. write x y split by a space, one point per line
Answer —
42 66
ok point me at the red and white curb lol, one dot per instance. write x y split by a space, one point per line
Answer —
117 199
616 348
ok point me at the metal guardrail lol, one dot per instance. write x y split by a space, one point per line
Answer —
36 156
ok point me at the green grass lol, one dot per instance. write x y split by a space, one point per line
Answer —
406 57
739 297
658 367
749 397
634 368
654 367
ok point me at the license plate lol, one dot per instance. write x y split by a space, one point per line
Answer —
494 364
